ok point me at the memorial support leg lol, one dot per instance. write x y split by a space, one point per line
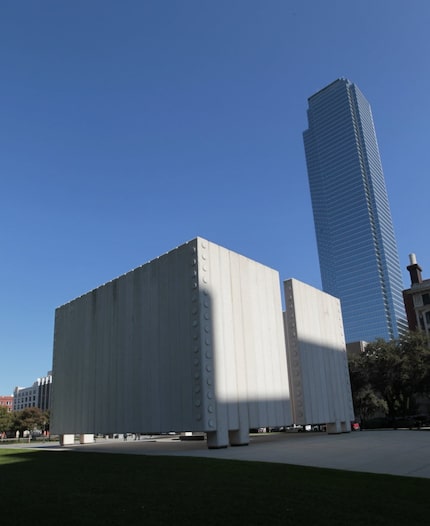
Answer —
67 440
239 437
86 438
217 439
334 428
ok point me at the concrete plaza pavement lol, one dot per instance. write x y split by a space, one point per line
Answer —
395 452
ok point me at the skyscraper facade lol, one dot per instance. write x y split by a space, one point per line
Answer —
357 250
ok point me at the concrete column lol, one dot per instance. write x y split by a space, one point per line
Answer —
86 439
239 437
217 439
334 428
67 440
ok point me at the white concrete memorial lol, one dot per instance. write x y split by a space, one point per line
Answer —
191 341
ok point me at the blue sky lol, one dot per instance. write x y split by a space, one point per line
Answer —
128 128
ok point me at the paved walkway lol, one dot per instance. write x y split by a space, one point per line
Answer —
401 452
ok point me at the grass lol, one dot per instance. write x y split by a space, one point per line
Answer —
48 487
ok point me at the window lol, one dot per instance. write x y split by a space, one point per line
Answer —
426 299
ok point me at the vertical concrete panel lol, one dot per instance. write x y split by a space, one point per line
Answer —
316 354
249 340
213 281
200 345
212 381
128 331
253 320
246 291
236 410
81 344
265 343
277 363
237 332
150 301
60 363
164 372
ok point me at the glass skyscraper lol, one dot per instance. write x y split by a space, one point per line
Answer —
357 250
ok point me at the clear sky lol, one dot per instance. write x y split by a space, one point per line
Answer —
130 127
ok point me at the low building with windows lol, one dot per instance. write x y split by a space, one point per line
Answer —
24 397
417 299
38 395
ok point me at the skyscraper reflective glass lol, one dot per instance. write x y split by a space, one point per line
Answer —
357 249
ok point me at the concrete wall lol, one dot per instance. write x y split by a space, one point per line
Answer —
250 363
317 360
191 341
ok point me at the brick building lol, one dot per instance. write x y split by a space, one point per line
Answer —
7 401
417 299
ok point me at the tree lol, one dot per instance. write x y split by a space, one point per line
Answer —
5 420
383 364
29 419
366 400
414 348
395 372
400 371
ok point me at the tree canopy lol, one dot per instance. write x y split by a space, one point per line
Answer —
5 420
389 376
30 419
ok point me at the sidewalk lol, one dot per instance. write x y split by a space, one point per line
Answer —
396 452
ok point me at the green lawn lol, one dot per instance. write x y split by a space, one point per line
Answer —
43 487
